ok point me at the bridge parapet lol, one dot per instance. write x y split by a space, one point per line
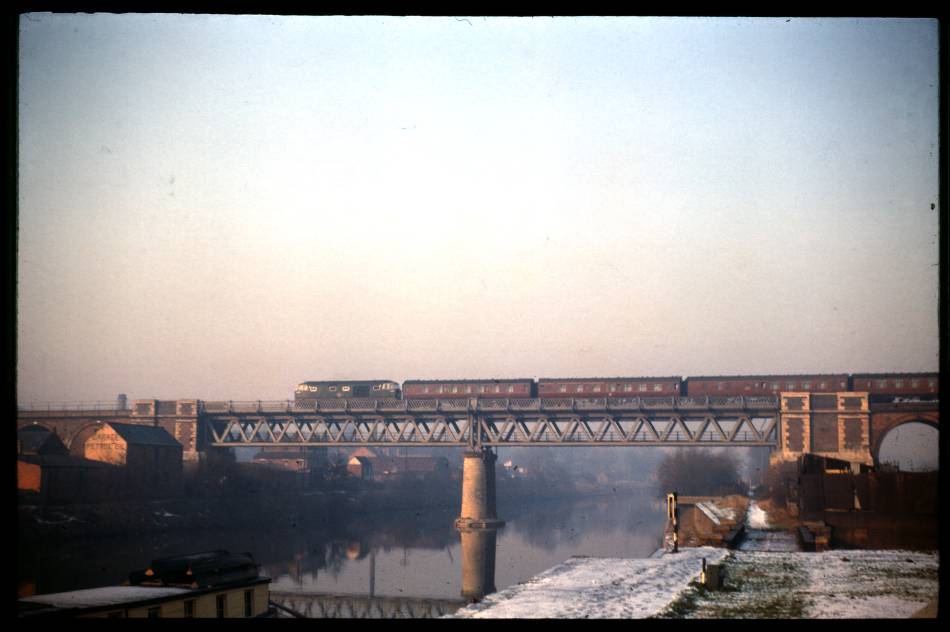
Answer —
661 403
624 403
557 404
493 405
524 404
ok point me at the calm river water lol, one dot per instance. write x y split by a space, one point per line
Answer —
396 553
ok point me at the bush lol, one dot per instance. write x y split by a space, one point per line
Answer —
699 472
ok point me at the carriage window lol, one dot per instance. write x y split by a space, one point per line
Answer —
882 383
899 384
627 387
642 388
719 386
455 389
597 388
563 388
931 383
468 389
332 389
806 386
823 385
511 389
657 387
497 389
481 389
915 383
579 388
425 389
441 389
345 389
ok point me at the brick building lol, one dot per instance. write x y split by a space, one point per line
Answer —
150 458
48 474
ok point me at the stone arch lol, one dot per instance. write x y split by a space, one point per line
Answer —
77 441
35 424
882 426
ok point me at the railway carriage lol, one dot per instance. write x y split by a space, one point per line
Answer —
732 385
376 389
459 389
609 387
890 385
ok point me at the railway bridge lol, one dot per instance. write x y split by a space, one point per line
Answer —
842 425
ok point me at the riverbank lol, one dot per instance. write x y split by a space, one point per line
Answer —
767 578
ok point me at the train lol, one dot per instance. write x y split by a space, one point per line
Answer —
879 386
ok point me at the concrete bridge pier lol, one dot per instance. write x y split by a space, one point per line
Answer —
478 491
478 562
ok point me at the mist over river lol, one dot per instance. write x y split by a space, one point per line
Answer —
406 552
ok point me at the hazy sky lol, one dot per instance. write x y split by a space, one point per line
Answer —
221 207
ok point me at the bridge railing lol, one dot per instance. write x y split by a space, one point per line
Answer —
96 405
364 405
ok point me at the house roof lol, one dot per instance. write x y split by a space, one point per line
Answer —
104 596
209 569
144 435
39 440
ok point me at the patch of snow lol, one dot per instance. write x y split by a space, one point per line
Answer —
709 512
104 596
599 588
774 541
756 518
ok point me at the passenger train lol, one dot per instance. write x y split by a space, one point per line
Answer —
879 386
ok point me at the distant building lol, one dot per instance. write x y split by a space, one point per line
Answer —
361 467
150 457
293 459
216 584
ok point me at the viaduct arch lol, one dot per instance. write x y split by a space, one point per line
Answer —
883 422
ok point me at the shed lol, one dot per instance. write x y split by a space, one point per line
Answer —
152 458
61 478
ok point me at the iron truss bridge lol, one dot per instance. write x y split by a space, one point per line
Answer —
477 423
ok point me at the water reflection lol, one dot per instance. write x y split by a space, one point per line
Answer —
478 562
383 554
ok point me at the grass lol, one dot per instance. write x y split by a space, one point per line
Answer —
768 585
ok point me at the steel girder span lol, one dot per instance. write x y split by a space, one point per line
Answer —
492 423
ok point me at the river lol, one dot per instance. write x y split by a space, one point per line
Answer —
405 553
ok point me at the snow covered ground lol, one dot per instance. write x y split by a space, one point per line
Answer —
767 578
759 537
826 585
583 588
